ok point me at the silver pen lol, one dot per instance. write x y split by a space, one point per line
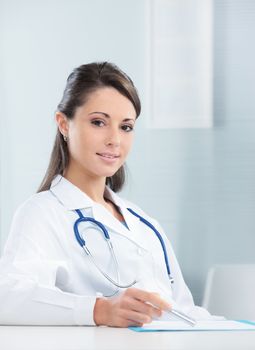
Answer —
182 316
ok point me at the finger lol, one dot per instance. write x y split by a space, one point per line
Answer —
159 302
149 297
145 308
123 323
136 316
132 323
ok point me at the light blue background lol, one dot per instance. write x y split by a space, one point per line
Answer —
199 184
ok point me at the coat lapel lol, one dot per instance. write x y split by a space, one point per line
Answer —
135 231
73 198
115 226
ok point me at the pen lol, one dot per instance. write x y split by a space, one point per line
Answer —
182 316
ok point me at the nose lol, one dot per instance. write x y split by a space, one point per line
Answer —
113 138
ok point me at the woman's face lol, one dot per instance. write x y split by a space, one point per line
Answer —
101 133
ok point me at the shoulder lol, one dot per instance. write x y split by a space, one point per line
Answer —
138 210
143 213
135 207
37 205
31 219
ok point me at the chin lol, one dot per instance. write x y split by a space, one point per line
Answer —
110 174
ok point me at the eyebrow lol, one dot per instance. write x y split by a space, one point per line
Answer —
108 116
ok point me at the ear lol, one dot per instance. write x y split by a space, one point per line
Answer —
62 122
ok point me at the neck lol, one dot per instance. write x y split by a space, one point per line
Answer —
94 187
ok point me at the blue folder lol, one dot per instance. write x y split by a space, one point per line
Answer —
225 325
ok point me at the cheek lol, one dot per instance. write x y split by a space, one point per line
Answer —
78 142
128 142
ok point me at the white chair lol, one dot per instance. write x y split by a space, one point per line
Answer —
230 291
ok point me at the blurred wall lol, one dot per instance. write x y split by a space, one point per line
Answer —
41 42
198 183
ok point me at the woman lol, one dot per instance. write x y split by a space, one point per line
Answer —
46 275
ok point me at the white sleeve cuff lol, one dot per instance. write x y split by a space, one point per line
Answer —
80 307
84 310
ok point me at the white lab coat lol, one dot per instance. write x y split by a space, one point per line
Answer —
45 276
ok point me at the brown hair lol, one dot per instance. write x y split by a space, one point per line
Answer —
81 82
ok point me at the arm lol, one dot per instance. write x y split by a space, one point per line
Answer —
28 291
182 296
30 269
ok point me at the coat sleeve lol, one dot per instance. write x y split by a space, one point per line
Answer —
182 296
28 291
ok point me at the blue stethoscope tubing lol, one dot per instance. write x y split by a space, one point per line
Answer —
153 228
82 243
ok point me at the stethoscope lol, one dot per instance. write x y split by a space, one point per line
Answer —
82 243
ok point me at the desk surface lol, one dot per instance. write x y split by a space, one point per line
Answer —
102 338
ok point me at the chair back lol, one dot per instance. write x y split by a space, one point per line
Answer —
230 291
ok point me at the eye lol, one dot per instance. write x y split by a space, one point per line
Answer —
98 122
127 127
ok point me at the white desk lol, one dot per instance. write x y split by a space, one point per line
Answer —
102 338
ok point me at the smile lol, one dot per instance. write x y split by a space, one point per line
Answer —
108 158
108 155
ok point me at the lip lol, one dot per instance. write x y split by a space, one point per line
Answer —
109 157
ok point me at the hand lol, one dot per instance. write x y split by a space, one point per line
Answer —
133 307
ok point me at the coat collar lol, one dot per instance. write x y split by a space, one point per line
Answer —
71 197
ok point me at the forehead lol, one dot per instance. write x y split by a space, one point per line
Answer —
110 101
